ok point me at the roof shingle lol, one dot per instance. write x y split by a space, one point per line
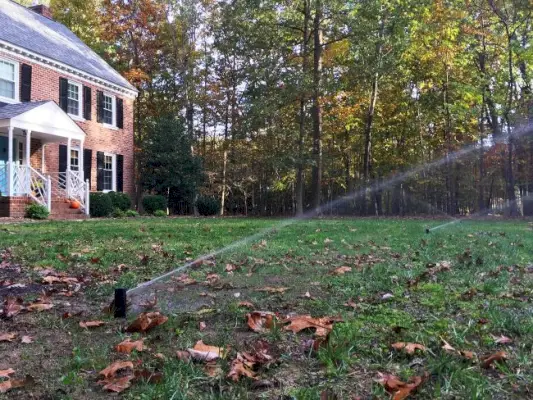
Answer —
38 34
12 110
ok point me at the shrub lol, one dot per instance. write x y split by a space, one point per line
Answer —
37 211
160 213
131 214
122 201
100 205
152 203
208 205
118 213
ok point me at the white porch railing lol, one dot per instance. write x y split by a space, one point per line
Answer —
70 185
40 188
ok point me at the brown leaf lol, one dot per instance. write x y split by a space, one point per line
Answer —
469 355
241 366
185 279
147 321
203 352
341 270
351 303
111 370
7 337
183 355
12 306
149 304
14 383
202 326
399 389
127 346
322 325
499 356
212 369
230 268
261 321
6 372
50 279
409 348
212 278
39 307
447 347
502 339
273 289
91 324
246 304
26 339
117 384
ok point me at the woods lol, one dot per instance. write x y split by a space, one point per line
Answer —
292 105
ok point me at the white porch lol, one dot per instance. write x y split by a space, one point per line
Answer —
47 123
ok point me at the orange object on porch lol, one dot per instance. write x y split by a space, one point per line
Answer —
75 204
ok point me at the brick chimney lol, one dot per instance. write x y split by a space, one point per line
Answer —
42 9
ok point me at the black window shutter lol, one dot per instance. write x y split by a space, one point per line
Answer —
63 94
99 171
120 113
25 83
120 173
99 106
62 165
87 103
87 164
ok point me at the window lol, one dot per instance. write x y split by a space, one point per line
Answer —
109 110
74 160
74 102
109 172
9 81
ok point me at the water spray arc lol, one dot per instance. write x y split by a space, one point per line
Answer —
342 200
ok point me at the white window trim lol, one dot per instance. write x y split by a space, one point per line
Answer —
78 117
17 82
114 105
76 148
113 174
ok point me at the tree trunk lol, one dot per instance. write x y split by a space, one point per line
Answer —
223 197
316 175
303 101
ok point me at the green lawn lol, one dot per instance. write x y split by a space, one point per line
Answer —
399 288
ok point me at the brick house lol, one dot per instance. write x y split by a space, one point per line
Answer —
66 117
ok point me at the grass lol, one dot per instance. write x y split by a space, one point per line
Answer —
486 293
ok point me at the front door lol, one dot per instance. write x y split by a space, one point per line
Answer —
3 165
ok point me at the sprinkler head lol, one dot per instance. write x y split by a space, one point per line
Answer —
428 230
120 304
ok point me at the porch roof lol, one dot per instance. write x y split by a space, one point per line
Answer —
45 119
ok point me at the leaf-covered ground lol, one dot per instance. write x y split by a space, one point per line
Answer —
350 309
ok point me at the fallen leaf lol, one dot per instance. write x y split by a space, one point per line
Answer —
387 296
322 325
469 355
351 303
203 352
341 270
7 337
117 384
147 321
183 355
12 306
51 279
39 307
273 289
261 321
409 348
246 304
15 383
149 304
26 339
447 347
212 369
499 356
502 339
230 268
202 326
6 372
212 278
185 279
91 324
127 346
400 390
112 369
241 367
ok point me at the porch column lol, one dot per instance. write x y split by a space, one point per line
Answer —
28 148
10 162
80 158
67 174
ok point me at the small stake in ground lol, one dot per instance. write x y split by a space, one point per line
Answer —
120 303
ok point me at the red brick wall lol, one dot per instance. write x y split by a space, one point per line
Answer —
14 207
45 86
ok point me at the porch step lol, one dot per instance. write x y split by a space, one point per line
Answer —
62 210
